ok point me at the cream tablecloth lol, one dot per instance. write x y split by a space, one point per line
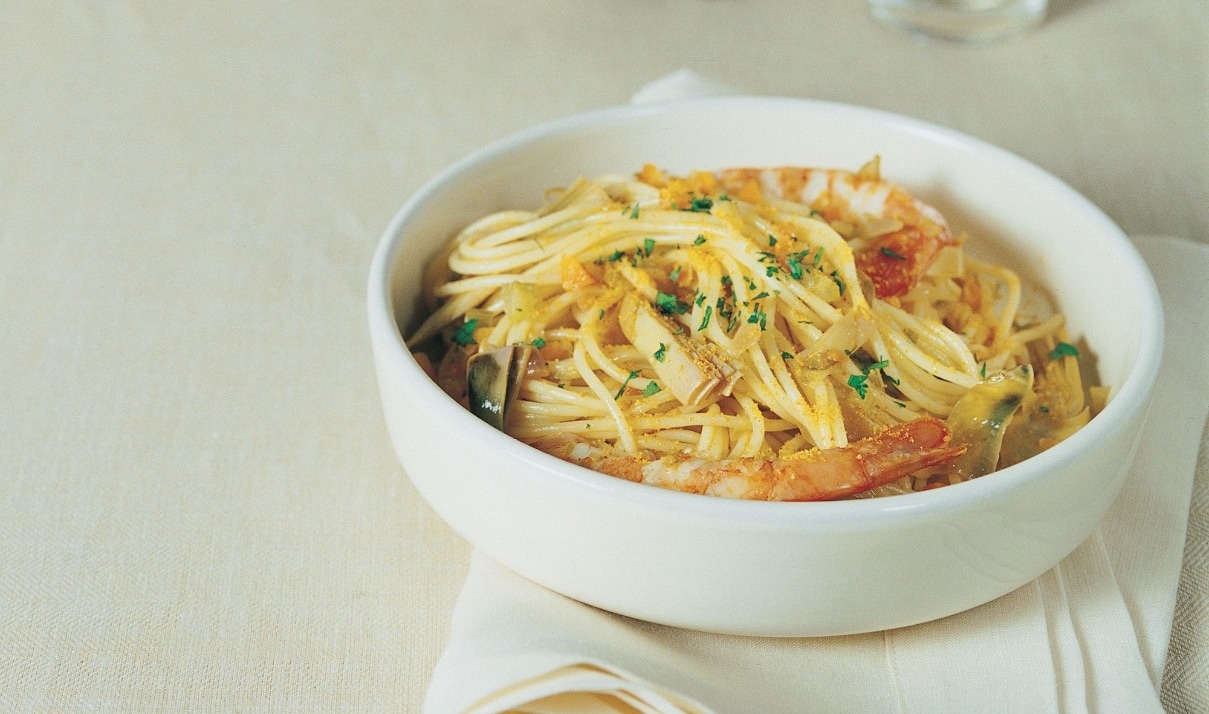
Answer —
199 508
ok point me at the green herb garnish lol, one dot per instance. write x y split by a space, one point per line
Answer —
464 335
624 384
835 277
1064 349
669 305
859 382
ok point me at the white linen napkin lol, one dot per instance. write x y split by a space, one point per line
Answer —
1089 635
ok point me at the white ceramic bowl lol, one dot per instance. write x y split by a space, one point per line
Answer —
779 569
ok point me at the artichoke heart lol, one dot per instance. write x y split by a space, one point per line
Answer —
689 368
493 380
980 417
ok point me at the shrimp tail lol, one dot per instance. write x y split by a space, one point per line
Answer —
882 458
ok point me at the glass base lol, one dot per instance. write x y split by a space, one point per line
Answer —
960 20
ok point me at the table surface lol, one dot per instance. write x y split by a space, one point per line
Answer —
199 506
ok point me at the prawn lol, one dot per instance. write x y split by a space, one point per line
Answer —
905 234
812 475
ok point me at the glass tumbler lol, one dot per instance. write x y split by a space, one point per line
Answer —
961 20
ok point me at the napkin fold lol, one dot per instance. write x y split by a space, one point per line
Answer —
1089 635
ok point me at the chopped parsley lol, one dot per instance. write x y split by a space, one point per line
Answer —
633 211
651 389
758 317
669 305
1064 349
795 264
700 205
660 353
464 335
835 277
859 382
624 384
709 311
538 342
675 274
891 253
648 245
700 240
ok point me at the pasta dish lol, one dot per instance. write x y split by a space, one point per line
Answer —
783 334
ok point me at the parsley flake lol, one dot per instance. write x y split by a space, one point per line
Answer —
651 389
795 264
669 305
624 384
891 253
464 335
859 382
1064 349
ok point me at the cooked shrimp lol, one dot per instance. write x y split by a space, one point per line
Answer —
813 475
904 234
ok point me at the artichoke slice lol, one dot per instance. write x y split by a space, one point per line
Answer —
981 416
493 381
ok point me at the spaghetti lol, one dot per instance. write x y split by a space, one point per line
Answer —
720 325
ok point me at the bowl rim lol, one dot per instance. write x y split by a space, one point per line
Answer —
390 351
